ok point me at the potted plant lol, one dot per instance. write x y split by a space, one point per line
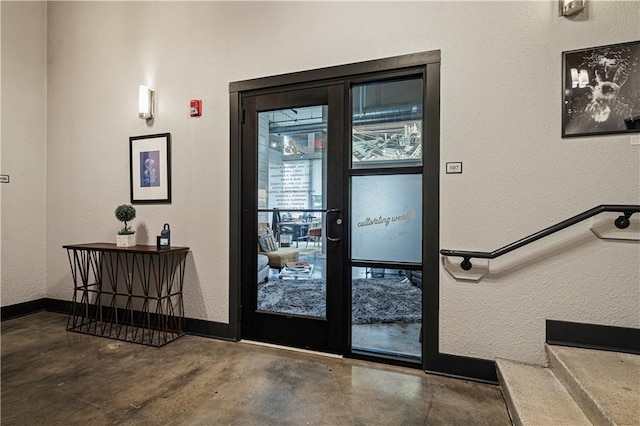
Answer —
126 236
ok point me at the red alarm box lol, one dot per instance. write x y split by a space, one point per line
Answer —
196 108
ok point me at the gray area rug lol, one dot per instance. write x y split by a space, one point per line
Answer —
375 300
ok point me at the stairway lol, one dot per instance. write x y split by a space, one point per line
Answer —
580 387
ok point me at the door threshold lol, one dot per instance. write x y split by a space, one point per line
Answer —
291 348
383 357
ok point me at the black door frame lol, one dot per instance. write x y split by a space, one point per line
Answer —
429 64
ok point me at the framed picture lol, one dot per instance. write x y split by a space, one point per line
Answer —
601 90
150 168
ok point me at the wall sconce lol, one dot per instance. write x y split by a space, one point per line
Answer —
571 7
146 101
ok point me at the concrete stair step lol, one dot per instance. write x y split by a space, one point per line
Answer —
605 385
535 397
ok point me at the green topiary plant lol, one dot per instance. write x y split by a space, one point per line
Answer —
125 213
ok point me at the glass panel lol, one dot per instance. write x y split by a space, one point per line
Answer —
387 124
291 198
386 312
386 218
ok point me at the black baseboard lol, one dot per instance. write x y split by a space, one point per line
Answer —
57 305
204 328
193 326
20 309
593 336
462 367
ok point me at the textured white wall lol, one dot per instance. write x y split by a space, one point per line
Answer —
1 280
501 115
22 271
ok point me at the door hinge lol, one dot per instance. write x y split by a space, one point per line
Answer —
243 116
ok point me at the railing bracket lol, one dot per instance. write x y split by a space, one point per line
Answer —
466 264
623 221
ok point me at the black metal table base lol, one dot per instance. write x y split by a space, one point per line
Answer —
132 294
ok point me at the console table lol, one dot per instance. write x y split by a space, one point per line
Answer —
127 293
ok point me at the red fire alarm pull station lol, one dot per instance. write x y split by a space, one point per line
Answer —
196 108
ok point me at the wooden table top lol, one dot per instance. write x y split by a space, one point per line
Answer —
111 247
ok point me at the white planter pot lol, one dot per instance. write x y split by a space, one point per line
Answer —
125 240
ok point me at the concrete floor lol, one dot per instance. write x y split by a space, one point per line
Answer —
51 376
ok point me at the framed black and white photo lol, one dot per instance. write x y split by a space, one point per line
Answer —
601 90
150 168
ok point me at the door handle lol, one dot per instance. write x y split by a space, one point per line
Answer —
338 222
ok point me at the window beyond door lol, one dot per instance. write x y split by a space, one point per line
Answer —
386 217
387 124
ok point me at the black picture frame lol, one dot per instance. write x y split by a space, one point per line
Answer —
601 90
150 169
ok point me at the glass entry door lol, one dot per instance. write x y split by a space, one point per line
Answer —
334 242
292 198
333 205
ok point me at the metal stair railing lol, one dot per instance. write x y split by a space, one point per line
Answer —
622 222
